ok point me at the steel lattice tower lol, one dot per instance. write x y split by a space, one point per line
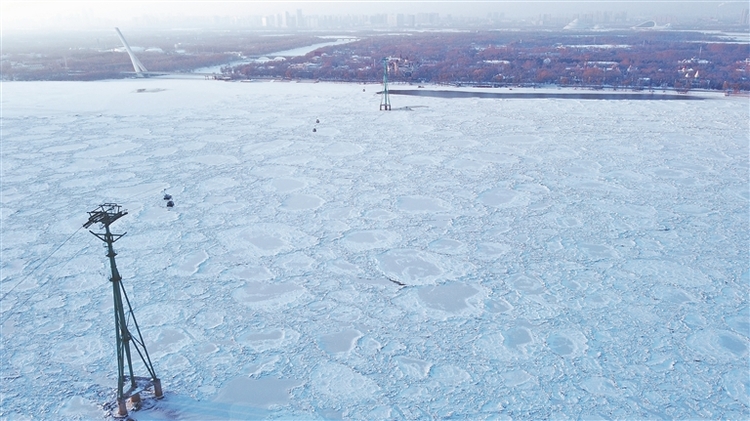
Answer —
385 102
105 215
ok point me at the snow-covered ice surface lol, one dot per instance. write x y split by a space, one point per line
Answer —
464 258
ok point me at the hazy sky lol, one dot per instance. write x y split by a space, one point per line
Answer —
31 14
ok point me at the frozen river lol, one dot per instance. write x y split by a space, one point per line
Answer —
452 258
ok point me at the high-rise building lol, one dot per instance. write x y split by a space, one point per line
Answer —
396 19
289 21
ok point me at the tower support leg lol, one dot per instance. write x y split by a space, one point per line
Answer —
135 401
122 408
157 389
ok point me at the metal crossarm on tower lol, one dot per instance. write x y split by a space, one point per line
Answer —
105 215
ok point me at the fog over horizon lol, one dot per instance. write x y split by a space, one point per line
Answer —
47 15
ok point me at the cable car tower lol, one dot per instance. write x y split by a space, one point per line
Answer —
385 102
105 215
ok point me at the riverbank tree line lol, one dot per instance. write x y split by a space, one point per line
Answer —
629 60
625 59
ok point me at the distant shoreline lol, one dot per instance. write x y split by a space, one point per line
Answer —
650 96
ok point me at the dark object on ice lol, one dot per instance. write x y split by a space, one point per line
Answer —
170 204
317 120
167 196
397 282
314 130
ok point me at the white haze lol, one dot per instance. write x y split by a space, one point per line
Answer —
41 15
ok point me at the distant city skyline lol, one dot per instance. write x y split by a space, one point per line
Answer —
52 15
